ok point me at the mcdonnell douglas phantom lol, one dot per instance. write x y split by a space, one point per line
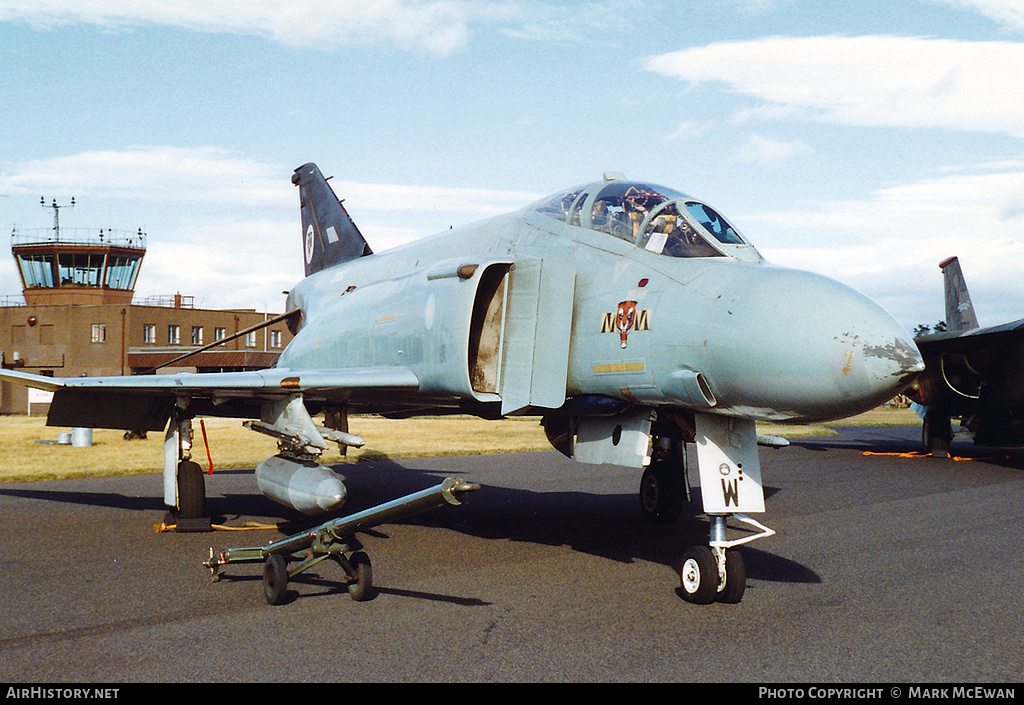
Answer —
631 318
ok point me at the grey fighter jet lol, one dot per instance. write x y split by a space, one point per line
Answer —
971 373
631 318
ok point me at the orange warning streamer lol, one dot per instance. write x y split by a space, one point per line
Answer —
206 442
915 454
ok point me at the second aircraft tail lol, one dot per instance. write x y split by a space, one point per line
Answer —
959 311
329 236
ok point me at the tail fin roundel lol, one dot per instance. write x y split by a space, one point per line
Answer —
329 236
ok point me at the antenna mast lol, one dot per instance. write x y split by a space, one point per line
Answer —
56 214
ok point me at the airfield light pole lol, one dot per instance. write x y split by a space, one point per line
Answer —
56 214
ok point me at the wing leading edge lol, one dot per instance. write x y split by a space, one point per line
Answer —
144 402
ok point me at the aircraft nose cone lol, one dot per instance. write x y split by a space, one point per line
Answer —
875 358
821 350
865 353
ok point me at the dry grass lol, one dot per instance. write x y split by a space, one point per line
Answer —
882 416
23 458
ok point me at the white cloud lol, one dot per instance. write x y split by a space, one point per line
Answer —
433 26
551 22
170 175
867 80
688 129
222 228
764 151
436 26
889 244
1009 13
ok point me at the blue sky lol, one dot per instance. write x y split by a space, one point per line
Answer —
866 141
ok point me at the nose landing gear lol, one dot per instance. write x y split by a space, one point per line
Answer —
716 572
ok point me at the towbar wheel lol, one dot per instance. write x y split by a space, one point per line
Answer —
275 579
360 574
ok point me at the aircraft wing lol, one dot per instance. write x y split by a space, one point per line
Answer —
144 402
962 367
971 340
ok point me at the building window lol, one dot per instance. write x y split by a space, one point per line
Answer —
148 333
218 333
99 332
275 338
250 339
197 335
173 335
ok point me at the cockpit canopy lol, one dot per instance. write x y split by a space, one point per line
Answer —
655 218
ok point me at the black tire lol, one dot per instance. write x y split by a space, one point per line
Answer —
936 434
735 578
698 579
662 493
360 585
275 579
191 490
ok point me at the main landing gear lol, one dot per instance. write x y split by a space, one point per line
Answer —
184 481
936 433
663 492
191 490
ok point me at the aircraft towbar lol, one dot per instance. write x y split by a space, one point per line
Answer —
336 539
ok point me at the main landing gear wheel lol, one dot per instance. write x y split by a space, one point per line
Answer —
191 490
936 434
275 579
662 493
701 581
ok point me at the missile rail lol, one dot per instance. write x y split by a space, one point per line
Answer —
335 539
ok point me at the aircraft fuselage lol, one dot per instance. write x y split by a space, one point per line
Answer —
734 337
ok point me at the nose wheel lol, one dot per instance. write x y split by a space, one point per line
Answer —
710 575
716 572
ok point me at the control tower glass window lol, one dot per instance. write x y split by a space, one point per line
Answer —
80 269
121 272
36 270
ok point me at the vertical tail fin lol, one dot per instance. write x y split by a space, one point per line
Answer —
959 311
328 234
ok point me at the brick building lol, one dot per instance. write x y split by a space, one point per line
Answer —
79 317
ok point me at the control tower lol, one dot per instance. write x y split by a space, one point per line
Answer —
77 266
79 317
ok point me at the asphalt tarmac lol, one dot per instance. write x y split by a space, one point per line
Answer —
884 569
